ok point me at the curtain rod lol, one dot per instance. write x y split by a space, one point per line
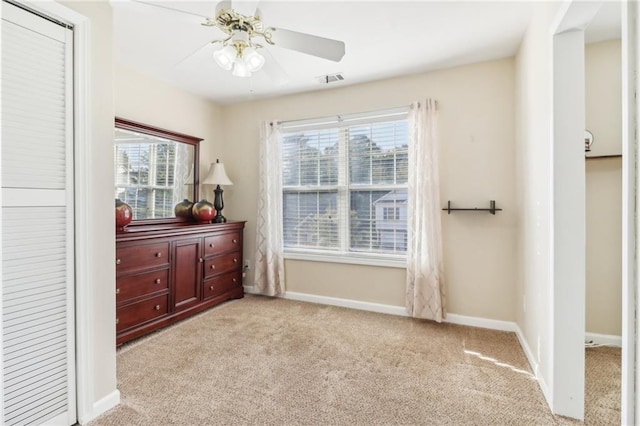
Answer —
339 117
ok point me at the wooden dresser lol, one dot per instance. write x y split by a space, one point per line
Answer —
165 273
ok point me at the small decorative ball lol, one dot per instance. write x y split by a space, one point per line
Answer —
124 215
203 211
184 209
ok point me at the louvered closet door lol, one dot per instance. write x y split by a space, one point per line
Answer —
37 221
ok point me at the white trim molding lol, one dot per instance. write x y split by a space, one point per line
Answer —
103 405
84 252
630 219
353 259
603 339
533 363
346 303
250 289
491 324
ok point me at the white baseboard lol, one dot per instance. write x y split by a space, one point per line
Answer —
481 322
346 303
399 310
103 405
250 289
604 339
533 363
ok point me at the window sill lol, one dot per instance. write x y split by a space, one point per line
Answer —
354 259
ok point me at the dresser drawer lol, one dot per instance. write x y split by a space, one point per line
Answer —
221 284
222 264
216 244
140 312
130 286
139 257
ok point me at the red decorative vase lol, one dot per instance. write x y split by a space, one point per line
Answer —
184 209
203 211
124 215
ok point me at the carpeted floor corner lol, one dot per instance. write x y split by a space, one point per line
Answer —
279 362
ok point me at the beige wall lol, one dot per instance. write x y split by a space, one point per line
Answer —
603 86
476 127
533 176
147 100
100 205
604 189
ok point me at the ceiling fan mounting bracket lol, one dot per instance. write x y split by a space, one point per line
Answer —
231 22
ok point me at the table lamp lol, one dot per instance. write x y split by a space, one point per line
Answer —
217 176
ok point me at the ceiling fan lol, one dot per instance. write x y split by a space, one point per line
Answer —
245 34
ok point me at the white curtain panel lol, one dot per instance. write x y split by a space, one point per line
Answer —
425 292
269 264
182 172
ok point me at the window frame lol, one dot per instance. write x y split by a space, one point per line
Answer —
344 188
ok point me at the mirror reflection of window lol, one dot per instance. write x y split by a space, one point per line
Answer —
152 174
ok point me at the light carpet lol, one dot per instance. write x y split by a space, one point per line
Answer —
272 361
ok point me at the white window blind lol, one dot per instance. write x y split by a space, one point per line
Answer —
38 343
345 185
146 173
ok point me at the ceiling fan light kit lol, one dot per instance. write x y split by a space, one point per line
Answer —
239 52
243 60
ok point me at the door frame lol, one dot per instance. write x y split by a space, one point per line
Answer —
630 204
575 16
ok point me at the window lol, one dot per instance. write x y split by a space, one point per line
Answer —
391 213
345 185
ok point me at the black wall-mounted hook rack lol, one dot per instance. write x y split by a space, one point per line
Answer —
492 208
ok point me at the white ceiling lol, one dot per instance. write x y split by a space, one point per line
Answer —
383 39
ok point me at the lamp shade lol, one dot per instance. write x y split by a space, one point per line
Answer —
240 68
217 175
253 59
224 57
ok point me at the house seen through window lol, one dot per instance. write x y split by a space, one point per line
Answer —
345 185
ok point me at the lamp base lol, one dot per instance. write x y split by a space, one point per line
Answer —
218 204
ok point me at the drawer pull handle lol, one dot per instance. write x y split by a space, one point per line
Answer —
117 321
201 260
211 288
212 245
158 281
234 280
235 241
213 266
159 254
117 291
157 307
235 260
117 261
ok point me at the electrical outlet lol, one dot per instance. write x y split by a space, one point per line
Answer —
247 265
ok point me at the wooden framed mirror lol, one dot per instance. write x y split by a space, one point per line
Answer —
155 169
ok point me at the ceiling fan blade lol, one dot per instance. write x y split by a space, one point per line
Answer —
273 70
148 3
326 48
192 53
